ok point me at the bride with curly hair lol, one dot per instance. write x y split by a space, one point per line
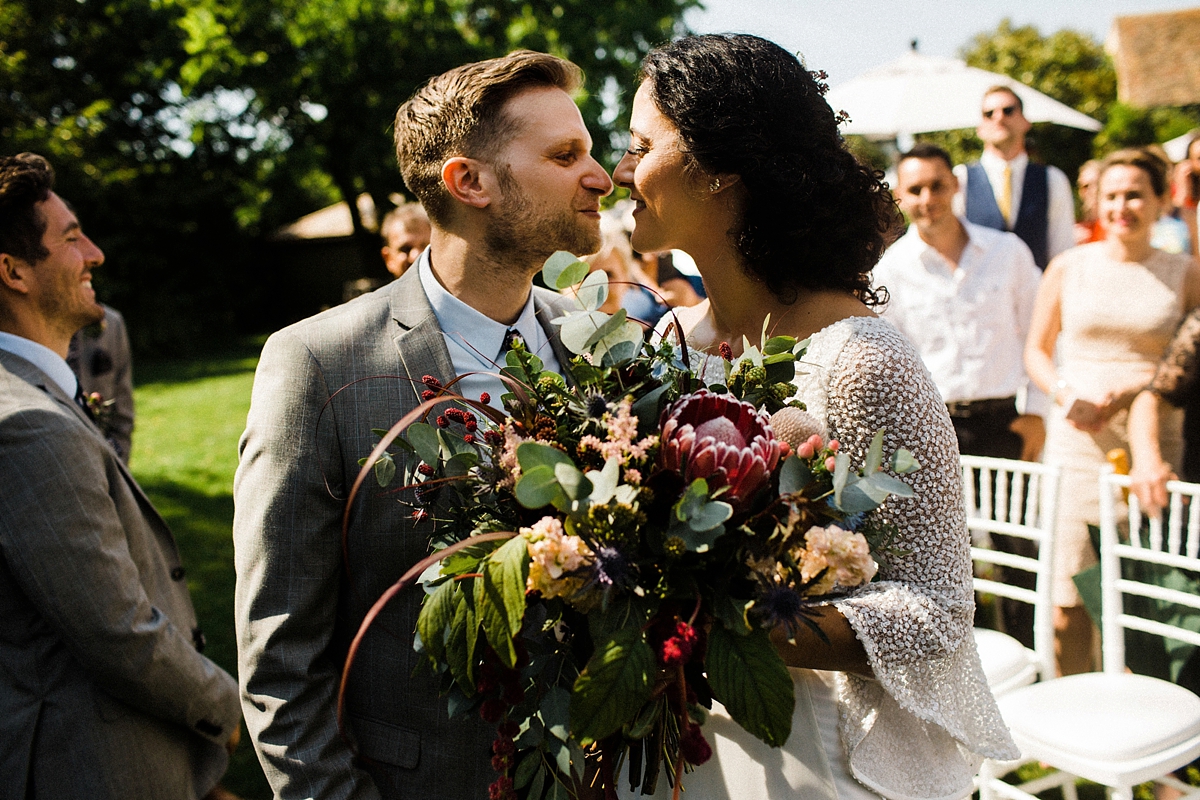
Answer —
735 158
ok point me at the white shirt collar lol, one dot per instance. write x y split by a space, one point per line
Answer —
471 329
42 357
991 160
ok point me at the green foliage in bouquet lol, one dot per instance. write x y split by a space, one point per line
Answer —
614 550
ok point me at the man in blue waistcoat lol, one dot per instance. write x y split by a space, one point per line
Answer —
1005 191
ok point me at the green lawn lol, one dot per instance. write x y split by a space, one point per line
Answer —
189 417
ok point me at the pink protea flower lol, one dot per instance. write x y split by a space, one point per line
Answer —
721 439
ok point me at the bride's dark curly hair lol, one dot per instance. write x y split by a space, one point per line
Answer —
815 218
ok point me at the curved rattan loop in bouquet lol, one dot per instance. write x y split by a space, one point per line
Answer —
615 550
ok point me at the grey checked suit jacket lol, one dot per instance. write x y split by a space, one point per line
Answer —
102 692
299 603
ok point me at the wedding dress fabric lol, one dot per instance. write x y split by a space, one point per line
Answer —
921 728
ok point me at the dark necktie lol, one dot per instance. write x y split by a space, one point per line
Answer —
81 401
511 337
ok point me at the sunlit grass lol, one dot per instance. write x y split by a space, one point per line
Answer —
189 417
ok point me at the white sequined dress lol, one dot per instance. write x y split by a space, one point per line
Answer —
921 728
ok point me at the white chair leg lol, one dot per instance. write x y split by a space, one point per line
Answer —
1121 793
1069 793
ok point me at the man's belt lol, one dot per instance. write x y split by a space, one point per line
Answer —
963 409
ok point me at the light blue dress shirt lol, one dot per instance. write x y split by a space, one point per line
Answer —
475 340
42 357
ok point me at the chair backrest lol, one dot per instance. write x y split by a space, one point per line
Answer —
1015 498
1173 544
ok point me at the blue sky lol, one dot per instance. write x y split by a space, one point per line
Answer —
846 37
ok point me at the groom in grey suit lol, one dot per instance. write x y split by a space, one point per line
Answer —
103 692
499 156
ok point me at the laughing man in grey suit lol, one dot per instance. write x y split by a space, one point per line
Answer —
103 693
498 154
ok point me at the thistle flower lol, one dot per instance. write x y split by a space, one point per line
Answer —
721 439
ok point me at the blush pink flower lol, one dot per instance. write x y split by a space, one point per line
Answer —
721 439
554 556
845 554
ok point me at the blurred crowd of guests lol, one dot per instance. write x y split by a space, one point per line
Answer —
1072 342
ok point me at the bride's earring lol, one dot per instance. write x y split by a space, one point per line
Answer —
714 185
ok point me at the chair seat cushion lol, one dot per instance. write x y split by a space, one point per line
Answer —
1107 717
1003 657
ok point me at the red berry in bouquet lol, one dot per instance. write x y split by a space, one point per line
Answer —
721 439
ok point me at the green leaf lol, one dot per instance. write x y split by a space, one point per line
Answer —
574 483
613 686
500 597
646 409
538 488
644 722
424 440
561 754
577 328
536 454
457 648
779 344
841 474
733 613
613 324
620 346
385 469
460 464
904 462
794 475
874 459
780 369
527 768
696 541
592 293
698 512
436 616
751 681
563 269
555 710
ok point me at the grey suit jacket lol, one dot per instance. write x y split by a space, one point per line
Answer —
299 603
102 691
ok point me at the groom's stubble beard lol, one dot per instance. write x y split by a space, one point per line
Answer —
524 228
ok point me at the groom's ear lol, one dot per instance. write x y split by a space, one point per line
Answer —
468 181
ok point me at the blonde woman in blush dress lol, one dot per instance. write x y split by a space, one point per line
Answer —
735 158
1104 314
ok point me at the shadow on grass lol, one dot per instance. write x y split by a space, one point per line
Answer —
203 524
242 357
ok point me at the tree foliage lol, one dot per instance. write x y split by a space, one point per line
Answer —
185 130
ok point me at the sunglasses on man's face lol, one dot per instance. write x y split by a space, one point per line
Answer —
1004 111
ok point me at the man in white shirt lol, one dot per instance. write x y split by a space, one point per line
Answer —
964 294
1005 191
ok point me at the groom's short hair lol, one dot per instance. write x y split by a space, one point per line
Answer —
26 179
460 113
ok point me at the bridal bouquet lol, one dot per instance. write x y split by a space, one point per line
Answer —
615 551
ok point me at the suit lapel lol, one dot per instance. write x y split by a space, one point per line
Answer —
418 339
547 309
35 377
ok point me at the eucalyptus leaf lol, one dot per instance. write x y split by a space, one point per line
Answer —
794 475
555 711
538 488
536 454
880 485
698 511
613 686
561 754
460 464
576 329
563 269
611 325
573 482
592 293
620 346
855 500
750 679
424 440
452 444
874 460
904 462
696 541
841 474
385 469
526 769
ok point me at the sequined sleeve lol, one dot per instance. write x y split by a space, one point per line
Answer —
1175 379
920 728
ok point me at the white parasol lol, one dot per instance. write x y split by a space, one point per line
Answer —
918 94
